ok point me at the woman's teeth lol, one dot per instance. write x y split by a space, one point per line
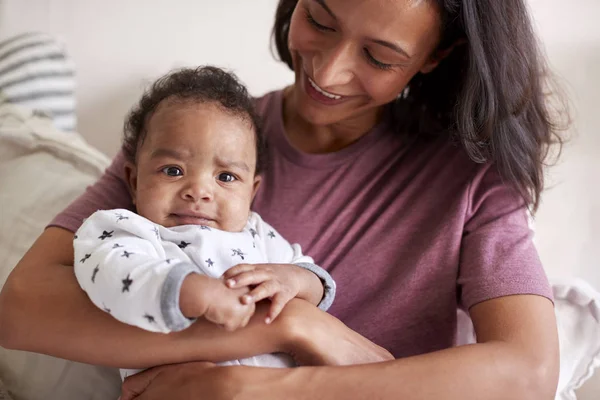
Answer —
324 93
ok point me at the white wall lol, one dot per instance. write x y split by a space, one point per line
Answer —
120 45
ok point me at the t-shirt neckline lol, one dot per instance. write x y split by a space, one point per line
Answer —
324 160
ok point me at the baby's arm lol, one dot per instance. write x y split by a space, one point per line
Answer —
122 266
288 273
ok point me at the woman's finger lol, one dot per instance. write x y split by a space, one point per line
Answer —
238 269
248 278
135 385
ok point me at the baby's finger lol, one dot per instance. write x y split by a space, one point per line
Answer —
248 278
277 303
264 291
238 269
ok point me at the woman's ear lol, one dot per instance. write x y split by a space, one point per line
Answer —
131 177
438 56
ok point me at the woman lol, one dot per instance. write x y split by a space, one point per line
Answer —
403 158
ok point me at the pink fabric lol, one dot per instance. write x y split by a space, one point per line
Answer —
409 232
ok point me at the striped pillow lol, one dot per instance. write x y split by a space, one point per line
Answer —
36 73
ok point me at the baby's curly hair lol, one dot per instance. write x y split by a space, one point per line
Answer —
205 84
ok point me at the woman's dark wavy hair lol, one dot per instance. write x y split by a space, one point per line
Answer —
205 84
489 93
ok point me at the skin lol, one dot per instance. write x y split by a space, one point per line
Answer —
516 356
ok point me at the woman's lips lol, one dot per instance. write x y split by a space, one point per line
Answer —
320 95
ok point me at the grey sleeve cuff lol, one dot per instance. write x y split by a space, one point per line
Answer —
328 284
169 298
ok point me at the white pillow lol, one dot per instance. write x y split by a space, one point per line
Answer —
577 308
41 171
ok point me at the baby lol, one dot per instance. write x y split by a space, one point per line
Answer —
193 249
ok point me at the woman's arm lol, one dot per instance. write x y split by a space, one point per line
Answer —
43 309
516 358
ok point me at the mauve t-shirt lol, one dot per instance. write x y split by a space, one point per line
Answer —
409 231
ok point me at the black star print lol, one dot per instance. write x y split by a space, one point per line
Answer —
105 235
126 283
253 232
120 217
126 254
117 245
150 318
237 252
183 245
75 237
209 262
205 228
168 260
85 258
271 234
155 230
106 308
95 273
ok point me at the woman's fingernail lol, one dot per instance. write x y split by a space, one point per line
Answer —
247 299
231 282
268 320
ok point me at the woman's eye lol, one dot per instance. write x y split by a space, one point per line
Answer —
225 177
317 25
172 171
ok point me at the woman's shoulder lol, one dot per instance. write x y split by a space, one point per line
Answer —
266 102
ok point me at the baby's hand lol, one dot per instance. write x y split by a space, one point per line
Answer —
225 307
278 282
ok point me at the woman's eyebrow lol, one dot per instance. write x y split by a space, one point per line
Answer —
392 46
326 7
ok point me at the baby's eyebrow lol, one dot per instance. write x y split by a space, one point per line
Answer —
237 164
171 153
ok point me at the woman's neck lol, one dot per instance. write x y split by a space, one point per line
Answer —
319 139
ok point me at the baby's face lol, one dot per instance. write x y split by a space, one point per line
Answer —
195 167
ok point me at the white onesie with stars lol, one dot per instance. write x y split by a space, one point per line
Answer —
133 268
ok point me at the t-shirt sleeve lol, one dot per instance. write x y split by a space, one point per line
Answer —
109 192
498 257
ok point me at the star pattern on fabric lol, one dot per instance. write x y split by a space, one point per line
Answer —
156 232
237 252
183 244
95 272
126 254
126 283
205 228
271 234
120 217
106 309
117 245
75 237
209 262
85 258
106 235
150 318
168 260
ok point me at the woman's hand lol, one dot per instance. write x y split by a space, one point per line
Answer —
318 338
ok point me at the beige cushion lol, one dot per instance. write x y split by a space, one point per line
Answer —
41 171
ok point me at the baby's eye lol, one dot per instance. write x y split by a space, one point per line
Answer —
225 177
172 171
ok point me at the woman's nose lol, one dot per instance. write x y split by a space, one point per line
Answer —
334 67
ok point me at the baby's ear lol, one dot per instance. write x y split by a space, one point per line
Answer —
257 180
131 178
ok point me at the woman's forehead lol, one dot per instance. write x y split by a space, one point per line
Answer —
414 23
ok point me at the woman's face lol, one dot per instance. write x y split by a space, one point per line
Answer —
352 56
